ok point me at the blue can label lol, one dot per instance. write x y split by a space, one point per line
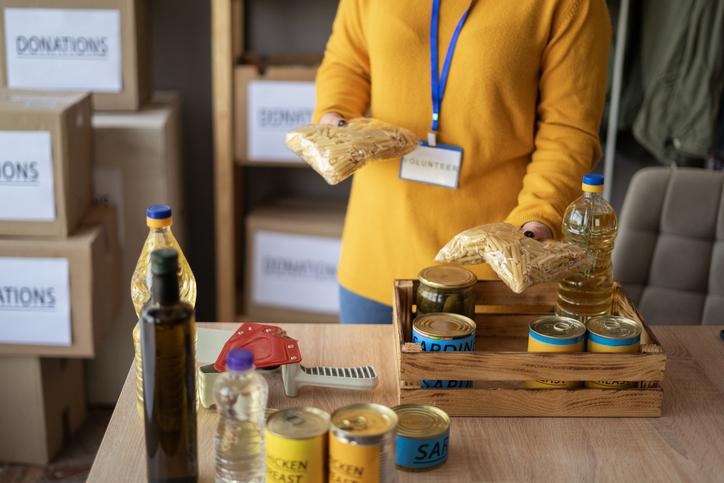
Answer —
421 453
463 344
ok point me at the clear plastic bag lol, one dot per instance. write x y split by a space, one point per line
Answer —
519 261
337 152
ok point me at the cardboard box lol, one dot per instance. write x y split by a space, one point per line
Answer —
292 254
137 163
42 402
269 105
78 45
57 296
45 170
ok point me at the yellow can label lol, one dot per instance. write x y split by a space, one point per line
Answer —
350 463
596 347
294 460
535 345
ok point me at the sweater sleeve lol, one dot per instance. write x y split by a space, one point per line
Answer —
343 79
571 93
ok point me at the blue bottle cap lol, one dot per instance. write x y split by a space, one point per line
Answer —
593 179
158 212
239 360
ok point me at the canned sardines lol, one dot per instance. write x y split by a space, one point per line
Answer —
423 433
362 444
296 444
440 332
446 288
555 334
612 333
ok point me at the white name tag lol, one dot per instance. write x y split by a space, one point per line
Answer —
26 176
438 166
35 301
274 108
56 49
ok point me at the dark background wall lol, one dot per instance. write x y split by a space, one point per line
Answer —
181 52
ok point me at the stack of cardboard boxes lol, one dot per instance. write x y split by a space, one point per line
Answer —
83 151
292 245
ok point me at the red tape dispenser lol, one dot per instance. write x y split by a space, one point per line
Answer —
270 345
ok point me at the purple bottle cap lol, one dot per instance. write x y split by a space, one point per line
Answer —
239 360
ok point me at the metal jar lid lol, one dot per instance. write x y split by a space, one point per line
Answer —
364 419
421 421
441 325
298 423
556 327
447 277
614 327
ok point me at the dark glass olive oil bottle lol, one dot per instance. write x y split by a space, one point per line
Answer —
169 384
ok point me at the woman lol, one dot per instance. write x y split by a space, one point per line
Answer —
523 100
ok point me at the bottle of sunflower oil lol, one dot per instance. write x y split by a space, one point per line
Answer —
589 222
159 220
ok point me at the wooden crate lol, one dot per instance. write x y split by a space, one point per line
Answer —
501 363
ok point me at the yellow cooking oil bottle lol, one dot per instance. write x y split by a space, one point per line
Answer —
159 220
589 222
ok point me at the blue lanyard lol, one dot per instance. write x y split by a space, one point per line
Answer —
439 81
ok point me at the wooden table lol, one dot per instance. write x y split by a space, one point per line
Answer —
686 444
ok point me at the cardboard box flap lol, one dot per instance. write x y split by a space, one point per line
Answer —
13 100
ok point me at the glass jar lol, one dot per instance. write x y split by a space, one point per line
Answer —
446 288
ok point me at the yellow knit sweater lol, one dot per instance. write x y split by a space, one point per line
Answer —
524 99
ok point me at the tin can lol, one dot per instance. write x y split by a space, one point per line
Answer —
423 433
553 333
446 288
439 332
296 444
612 333
362 444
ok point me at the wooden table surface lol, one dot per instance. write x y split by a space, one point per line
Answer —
685 444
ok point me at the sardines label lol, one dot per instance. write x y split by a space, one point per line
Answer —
294 460
275 108
35 301
350 463
26 176
63 49
428 344
421 453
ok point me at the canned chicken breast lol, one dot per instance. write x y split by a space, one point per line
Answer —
443 332
362 444
553 333
613 333
423 432
296 445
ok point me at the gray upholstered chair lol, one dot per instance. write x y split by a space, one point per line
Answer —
669 253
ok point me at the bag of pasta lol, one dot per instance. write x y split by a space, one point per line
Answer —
336 152
519 261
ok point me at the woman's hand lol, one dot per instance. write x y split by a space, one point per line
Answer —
333 119
539 230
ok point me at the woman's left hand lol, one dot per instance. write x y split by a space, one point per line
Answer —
540 231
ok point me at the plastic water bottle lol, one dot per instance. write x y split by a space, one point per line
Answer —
589 222
241 396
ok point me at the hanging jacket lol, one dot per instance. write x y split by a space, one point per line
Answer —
681 53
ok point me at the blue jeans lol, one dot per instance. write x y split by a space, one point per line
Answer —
356 309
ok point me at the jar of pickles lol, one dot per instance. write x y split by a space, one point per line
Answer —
446 288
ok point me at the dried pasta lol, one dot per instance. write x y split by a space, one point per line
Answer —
337 152
519 261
